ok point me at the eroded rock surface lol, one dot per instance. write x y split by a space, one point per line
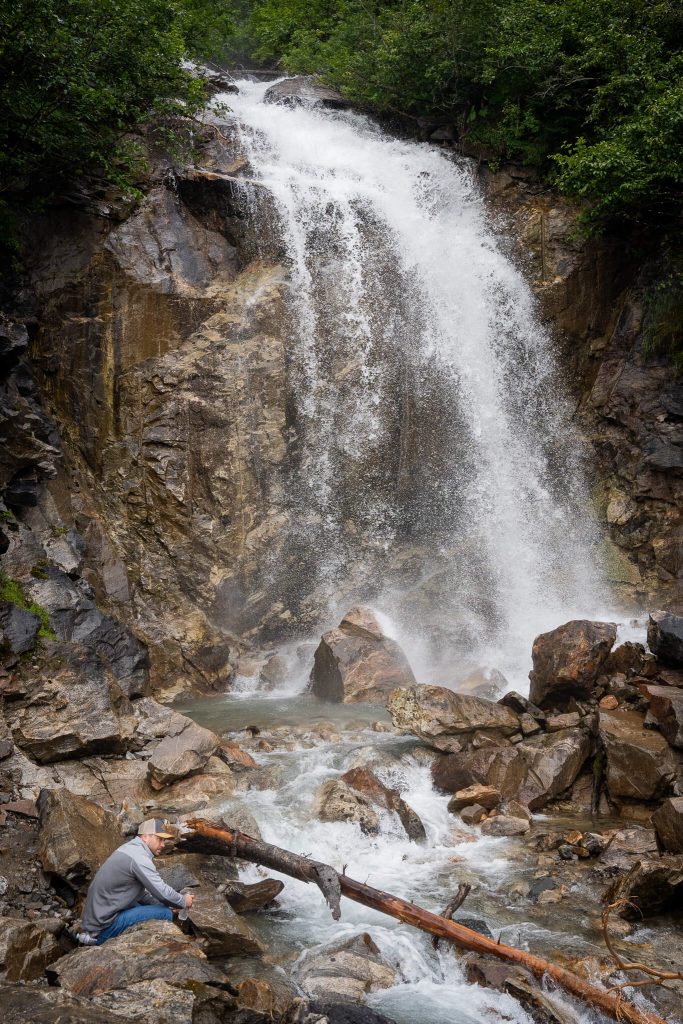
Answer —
344 971
76 836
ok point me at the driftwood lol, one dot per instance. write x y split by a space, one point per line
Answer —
209 838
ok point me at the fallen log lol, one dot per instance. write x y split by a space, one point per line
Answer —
208 838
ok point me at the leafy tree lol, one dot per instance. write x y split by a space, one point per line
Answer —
589 90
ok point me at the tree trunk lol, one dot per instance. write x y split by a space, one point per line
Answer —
208 838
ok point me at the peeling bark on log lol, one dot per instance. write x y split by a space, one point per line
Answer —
208 838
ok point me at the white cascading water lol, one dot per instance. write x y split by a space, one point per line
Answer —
428 408
435 451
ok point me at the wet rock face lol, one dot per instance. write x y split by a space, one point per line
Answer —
567 661
665 638
445 720
32 1005
357 662
220 931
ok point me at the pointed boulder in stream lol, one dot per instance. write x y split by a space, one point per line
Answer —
357 662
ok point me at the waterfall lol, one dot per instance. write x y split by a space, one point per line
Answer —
435 471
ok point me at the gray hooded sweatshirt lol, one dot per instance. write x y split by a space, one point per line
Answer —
127 877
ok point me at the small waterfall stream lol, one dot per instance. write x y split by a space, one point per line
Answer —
436 474
435 470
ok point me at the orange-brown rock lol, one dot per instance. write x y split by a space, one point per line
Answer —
568 660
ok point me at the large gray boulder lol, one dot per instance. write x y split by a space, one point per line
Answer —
640 763
185 750
356 662
446 720
665 638
344 971
75 836
568 660
23 1004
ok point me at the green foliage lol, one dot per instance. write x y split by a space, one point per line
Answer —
12 592
80 75
589 90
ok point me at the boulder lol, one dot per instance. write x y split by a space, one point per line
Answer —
504 825
149 1002
570 720
244 897
568 660
639 761
365 782
668 822
446 720
357 662
504 768
483 682
74 708
473 814
553 761
184 751
147 952
345 971
336 801
630 659
451 772
665 638
487 796
18 629
75 836
666 707
220 930
522 706
305 91
32 1005
651 887
26 947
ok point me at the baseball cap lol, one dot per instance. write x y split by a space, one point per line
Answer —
155 827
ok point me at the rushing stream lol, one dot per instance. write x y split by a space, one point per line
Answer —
432 431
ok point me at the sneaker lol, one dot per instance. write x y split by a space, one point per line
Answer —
85 939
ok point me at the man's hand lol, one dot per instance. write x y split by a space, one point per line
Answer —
189 899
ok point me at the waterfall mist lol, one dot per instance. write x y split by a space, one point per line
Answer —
434 471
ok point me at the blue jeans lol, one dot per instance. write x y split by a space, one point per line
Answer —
135 914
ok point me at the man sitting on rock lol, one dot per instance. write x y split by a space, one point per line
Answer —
128 888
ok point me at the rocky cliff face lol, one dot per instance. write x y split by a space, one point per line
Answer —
629 404
159 348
